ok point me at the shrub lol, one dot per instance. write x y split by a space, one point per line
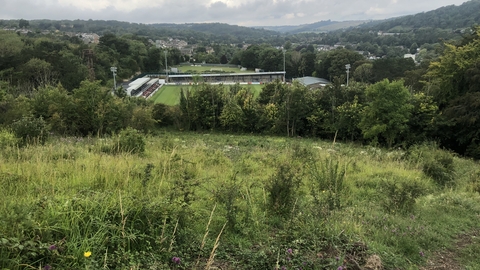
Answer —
440 168
128 141
400 193
435 163
30 129
131 140
327 184
7 138
282 188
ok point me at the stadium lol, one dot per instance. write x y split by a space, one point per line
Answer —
148 84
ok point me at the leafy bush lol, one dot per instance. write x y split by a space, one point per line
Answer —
128 141
131 140
7 138
400 193
440 168
31 130
434 162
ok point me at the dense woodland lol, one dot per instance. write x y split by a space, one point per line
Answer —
390 101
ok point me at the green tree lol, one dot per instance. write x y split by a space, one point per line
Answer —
37 73
364 72
333 63
455 86
10 46
387 111
232 117
93 106
23 23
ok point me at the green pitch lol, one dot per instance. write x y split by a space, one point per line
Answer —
170 94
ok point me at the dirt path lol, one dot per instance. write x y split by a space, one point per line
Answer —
448 259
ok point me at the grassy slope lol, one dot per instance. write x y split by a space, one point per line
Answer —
70 194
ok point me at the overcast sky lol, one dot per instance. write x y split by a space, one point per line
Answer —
239 12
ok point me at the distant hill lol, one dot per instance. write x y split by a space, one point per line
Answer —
317 27
194 32
219 29
449 17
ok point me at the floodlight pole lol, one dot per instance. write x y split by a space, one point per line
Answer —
166 67
284 73
114 71
347 66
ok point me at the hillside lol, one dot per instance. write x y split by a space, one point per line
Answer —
319 27
196 32
191 201
448 17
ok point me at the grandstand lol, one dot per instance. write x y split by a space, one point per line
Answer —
135 87
144 87
260 77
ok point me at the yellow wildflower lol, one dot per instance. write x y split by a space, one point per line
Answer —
87 254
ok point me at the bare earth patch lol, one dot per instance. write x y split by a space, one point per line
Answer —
447 259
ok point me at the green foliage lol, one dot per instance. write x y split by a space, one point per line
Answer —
423 120
440 168
328 184
7 138
131 141
31 130
142 119
333 63
232 117
436 164
387 111
400 194
282 188
11 45
228 194
391 68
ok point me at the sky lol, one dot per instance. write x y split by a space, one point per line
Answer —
235 12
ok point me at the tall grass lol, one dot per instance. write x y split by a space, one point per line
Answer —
154 210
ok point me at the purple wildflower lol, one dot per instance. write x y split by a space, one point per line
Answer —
47 267
284 268
337 258
52 247
340 267
422 254
289 251
176 260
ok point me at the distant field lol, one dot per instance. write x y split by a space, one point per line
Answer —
200 69
170 94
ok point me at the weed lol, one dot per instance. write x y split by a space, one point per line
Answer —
282 190
328 183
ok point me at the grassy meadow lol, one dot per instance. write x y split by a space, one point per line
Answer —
200 201
170 94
